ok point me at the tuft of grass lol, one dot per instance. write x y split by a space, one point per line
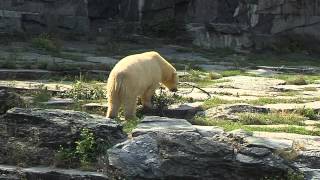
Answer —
270 119
42 95
213 76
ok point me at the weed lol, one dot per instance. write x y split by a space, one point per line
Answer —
298 80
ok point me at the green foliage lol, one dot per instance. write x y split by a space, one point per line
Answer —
84 153
47 43
86 147
86 91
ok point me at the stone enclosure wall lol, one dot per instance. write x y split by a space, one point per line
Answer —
207 23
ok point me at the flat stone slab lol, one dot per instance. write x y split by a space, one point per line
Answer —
25 74
162 124
274 144
251 83
262 72
34 85
308 142
208 131
13 172
59 102
184 111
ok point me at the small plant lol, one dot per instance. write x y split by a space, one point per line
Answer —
86 147
42 94
307 112
47 43
84 153
214 76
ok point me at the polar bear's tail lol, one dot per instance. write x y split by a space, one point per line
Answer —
115 90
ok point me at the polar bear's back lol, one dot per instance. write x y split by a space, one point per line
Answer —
139 71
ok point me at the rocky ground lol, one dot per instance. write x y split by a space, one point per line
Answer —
233 114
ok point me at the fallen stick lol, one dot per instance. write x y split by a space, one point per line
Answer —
194 86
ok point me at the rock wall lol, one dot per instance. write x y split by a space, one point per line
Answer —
207 23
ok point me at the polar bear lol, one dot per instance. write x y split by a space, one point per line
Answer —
135 76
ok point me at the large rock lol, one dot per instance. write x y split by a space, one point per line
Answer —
184 153
33 136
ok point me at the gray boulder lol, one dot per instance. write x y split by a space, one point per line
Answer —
33 136
186 154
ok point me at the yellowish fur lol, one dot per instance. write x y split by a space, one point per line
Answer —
138 75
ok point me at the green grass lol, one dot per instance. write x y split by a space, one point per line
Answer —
229 73
214 102
298 79
270 119
230 125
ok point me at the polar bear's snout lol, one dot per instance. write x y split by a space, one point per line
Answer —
174 90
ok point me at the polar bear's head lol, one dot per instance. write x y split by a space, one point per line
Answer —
172 82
